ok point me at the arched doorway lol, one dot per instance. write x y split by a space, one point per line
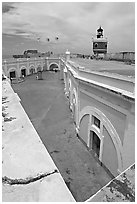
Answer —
94 143
32 70
12 74
101 137
53 67
23 72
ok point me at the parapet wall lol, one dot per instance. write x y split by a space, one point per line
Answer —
121 56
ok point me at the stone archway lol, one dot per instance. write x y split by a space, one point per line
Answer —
53 67
31 70
104 124
23 71
12 73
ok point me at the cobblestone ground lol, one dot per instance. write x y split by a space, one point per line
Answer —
48 109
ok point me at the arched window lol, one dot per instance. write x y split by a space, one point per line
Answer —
96 121
96 44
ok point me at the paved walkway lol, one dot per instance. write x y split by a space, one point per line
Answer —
47 107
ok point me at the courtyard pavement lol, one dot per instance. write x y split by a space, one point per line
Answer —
48 109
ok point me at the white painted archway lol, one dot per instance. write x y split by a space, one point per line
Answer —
53 63
23 67
32 67
12 69
110 128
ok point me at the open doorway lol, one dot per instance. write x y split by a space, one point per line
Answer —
23 72
32 71
94 143
12 74
54 67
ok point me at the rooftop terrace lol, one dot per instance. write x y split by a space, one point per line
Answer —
112 76
112 67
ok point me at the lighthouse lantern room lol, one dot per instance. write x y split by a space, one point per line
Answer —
99 43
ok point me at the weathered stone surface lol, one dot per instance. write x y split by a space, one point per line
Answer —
29 173
120 189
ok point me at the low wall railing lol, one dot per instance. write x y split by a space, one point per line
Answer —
118 84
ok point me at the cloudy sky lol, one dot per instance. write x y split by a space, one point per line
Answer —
28 25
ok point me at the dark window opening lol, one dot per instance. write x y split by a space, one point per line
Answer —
96 121
23 72
94 143
53 67
96 45
12 74
32 71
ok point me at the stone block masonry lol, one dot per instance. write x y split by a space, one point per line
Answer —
28 171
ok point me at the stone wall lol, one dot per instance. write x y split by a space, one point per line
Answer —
28 172
121 56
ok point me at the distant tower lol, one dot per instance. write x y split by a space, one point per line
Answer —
100 43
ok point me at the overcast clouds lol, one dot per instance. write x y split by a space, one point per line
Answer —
73 23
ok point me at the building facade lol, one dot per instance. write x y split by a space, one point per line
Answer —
103 106
15 68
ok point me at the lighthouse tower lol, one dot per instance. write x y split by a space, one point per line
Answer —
99 43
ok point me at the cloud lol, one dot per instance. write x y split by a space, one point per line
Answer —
74 23
6 7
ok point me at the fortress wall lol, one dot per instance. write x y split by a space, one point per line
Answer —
121 56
